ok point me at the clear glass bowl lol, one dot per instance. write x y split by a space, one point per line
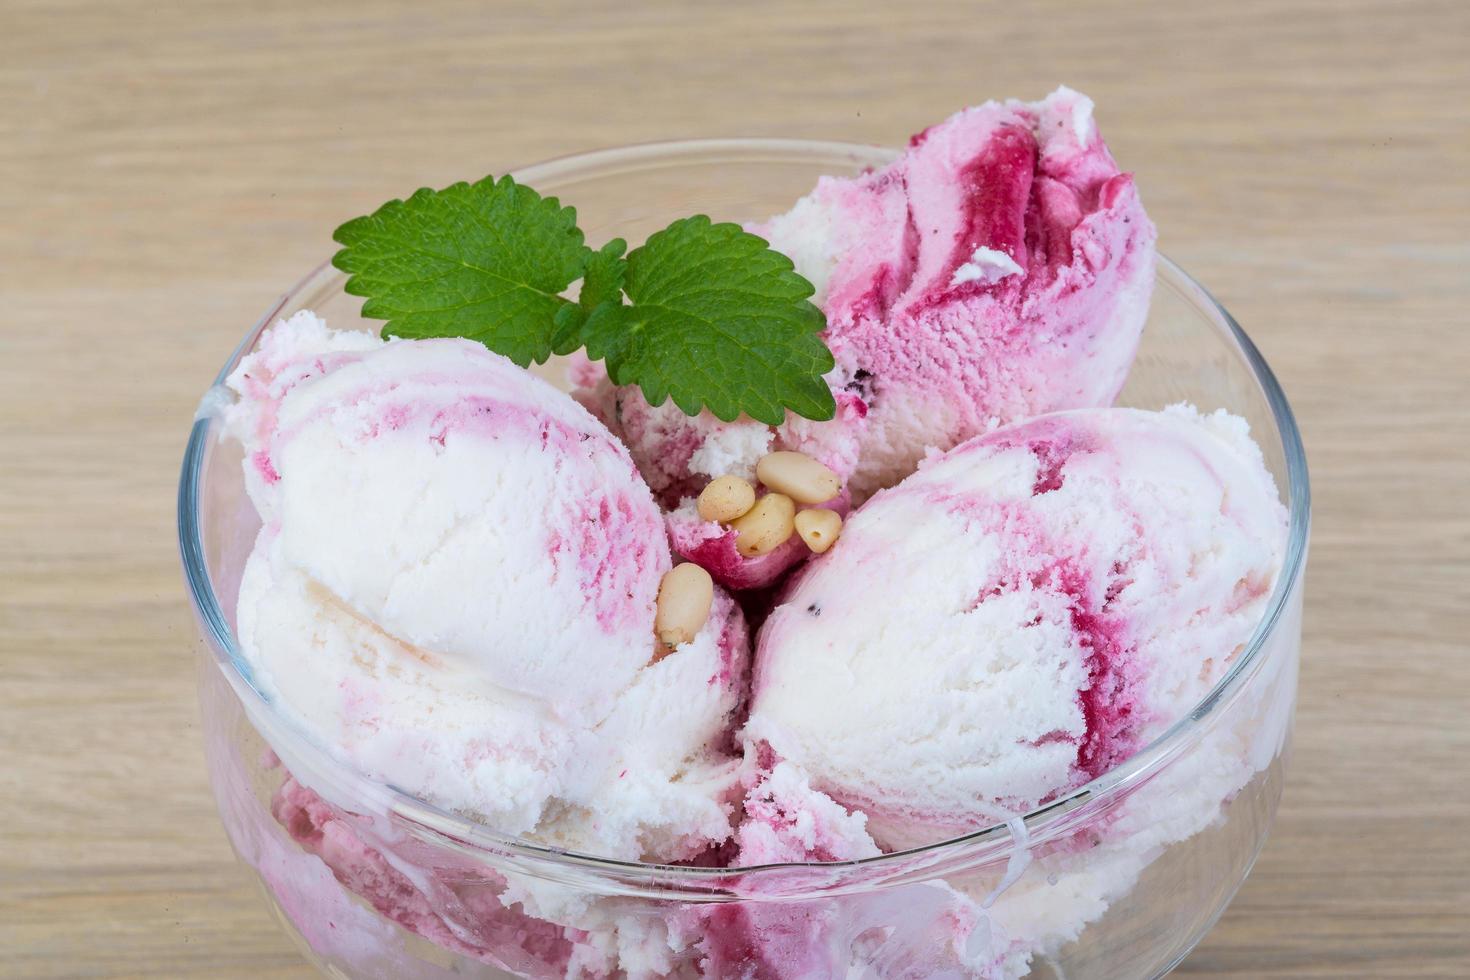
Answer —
1120 878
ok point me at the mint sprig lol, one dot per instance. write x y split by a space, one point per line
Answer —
602 282
705 313
718 320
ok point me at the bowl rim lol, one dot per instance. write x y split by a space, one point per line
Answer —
995 839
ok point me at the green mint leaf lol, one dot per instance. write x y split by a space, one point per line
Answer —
718 320
601 283
610 334
606 272
485 261
566 335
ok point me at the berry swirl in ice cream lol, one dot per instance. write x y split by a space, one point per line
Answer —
1019 616
455 589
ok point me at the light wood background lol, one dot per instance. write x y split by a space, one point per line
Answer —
166 169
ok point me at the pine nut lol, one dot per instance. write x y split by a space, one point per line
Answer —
684 599
800 477
819 528
766 527
725 499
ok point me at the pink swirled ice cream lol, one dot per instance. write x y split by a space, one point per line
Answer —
454 589
1000 268
458 589
1019 616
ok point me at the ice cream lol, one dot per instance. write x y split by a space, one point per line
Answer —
463 588
1019 616
454 590
1001 268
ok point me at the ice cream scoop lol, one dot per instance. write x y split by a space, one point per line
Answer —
1019 616
1000 268
455 589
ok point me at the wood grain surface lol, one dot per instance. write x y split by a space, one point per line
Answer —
166 169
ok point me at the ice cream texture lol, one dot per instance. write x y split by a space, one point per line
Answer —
455 591
1000 268
454 588
1019 616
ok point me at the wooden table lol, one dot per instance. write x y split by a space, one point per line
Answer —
167 168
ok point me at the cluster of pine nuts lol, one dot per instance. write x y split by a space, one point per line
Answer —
761 526
687 592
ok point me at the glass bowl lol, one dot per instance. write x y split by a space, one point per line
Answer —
1119 878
